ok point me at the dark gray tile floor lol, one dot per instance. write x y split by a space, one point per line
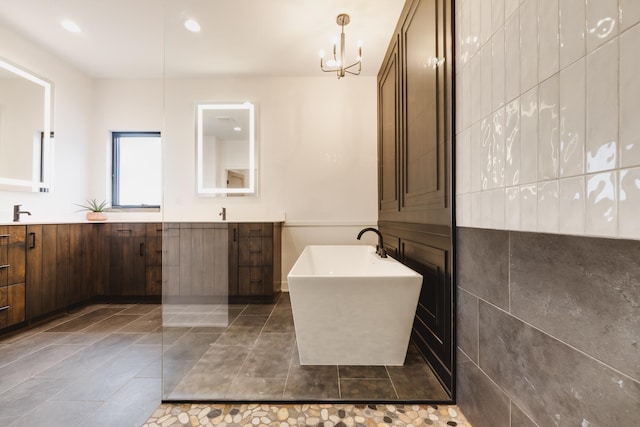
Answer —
254 357
97 366
103 365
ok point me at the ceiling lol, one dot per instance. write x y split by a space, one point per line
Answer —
146 38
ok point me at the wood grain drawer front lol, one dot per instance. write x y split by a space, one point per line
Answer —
153 251
12 264
13 235
255 251
4 306
16 297
12 305
153 229
255 280
4 266
256 229
154 280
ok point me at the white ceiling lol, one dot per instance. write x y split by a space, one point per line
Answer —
126 38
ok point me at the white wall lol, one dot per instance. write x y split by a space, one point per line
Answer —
121 105
548 136
72 96
317 156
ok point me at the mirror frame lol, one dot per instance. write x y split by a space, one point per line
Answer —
41 167
200 188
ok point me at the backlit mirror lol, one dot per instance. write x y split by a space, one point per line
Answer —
25 129
226 149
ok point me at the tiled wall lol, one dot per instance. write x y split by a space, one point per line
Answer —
548 116
547 191
548 329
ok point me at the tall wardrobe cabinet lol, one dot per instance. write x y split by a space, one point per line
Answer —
415 142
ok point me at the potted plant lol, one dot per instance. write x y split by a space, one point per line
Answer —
96 210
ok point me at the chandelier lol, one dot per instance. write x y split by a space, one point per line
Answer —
337 64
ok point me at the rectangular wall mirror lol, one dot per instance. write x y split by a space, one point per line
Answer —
25 130
226 149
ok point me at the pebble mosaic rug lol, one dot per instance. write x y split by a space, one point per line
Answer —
317 415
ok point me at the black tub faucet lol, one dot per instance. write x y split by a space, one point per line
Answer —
17 212
380 250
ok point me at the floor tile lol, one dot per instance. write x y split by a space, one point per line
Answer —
243 388
63 414
367 389
362 371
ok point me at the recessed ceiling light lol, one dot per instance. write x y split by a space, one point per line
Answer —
237 128
70 26
192 25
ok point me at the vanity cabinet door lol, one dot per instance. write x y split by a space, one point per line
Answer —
254 257
127 259
153 259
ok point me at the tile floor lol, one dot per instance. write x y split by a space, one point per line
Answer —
101 365
255 357
98 366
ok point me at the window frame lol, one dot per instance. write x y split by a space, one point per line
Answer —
115 166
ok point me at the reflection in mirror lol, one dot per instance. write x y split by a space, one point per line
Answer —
226 149
25 130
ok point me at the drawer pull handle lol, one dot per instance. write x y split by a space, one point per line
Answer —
5 266
141 249
5 235
6 307
33 240
125 230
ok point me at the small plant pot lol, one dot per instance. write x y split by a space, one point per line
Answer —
96 216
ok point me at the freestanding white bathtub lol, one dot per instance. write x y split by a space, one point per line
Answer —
351 307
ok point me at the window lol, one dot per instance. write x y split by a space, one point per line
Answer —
136 170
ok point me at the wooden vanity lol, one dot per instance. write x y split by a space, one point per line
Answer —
47 268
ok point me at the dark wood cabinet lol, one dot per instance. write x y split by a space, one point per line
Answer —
415 143
255 261
54 267
12 274
153 259
127 266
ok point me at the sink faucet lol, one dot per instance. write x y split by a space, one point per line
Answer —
223 214
380 250
17 212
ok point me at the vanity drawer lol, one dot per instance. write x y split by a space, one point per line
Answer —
254 280
12 305
256 229
4 306
255 251
13 235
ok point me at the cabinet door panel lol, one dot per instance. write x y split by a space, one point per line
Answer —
424 148
4 265
49 267
4 306
388 133
154 280
75 264
16 300
34 272
63 268
254 280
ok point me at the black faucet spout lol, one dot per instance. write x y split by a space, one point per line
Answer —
380 250
17 212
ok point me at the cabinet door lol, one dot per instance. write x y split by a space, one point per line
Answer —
389 109
255 281
16 300
127 259
77 291
233 249
34 283
425 149
4 306
63 265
